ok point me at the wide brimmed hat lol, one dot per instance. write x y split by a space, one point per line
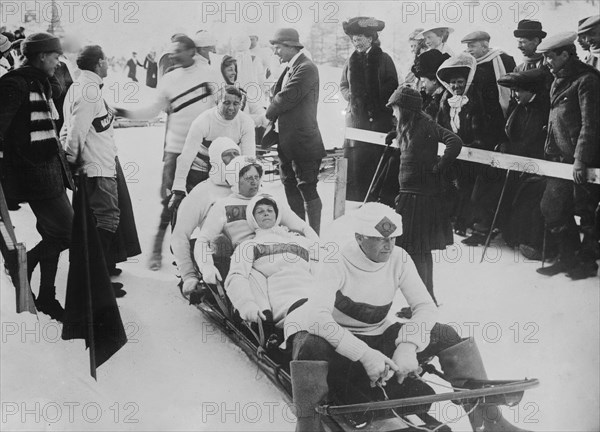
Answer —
588 24
529 29
406 97
531 80
428 63
362 25
288 37
422 34
447 74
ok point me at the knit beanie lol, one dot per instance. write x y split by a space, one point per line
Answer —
377 220
4 43
40 43
406 97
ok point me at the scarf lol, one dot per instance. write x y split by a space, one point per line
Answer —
534 62
456 103
594 58
499 70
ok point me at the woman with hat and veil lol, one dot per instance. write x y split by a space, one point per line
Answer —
368 80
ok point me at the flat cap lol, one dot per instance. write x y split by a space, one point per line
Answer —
531 80
588 24
557 41
362 25
476 36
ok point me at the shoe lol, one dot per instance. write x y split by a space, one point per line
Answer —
530 253
475 239
46 303
118 289
460 232
560 266
583 270
155 262
481 228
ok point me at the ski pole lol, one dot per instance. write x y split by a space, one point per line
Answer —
385 151
489 236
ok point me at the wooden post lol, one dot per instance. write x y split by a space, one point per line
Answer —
339 194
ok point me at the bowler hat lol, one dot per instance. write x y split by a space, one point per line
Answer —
288 37
529 29
362 25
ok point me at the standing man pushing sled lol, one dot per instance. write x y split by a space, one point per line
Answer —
344 329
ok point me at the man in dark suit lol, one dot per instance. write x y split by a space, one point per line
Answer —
294 107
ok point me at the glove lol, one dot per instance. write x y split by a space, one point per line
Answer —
390 137
210 274
377 366
250 311
189 285
405 357
176 197
579 172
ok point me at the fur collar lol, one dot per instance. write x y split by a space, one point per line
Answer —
364 82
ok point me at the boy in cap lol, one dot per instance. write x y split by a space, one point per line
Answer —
345 342
294 108
526 132
34 168
573 137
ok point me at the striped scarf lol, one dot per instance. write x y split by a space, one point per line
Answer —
43 113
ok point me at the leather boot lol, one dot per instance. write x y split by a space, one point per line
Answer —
155 261
46 303
568 243
313 211
106 241
309 389
462 362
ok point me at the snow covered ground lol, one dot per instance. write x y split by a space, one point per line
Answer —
179 373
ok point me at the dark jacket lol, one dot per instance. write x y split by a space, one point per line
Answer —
419 157
28 172
573 125
151 72
526 128
295 106
65 80
367 84
486 83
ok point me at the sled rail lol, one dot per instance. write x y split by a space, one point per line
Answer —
493 159
507 387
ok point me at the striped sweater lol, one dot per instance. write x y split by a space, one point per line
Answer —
358 295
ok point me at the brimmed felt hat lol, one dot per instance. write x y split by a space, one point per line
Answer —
588 24
531 80
557 41
377 220
40 43
406 97
529 29
422 34
428 63
288 37
414 33
476 36
362 25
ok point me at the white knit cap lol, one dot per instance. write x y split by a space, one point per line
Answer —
204 38
377 220
4 43
252 205
215 153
